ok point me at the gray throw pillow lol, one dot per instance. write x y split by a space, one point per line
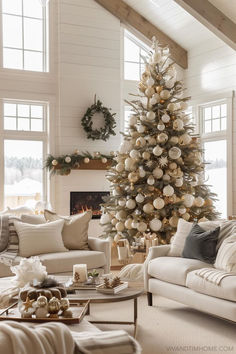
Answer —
201 244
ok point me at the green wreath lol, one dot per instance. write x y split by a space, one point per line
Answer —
104 132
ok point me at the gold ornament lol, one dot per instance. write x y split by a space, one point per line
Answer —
159 89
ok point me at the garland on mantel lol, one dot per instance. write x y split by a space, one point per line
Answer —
62 165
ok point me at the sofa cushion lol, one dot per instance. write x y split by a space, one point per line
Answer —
63 262
173 269
226 290
226 256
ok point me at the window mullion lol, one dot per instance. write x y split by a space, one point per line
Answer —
23 42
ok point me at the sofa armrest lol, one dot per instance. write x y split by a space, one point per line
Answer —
98 244
154 252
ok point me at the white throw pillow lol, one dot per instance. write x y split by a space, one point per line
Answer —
183 229
33 219
226 256
39 239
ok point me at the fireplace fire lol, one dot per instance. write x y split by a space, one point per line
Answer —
84 201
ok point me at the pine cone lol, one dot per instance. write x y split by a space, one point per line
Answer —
107 283
115 282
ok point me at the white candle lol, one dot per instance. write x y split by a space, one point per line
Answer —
80 273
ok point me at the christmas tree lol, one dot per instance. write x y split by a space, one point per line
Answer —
157 175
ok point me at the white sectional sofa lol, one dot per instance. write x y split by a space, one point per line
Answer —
175 278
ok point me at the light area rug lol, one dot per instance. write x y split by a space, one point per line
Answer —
170 327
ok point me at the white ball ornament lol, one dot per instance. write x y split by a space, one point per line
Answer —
161 127
114 221
157 173
140 142
170 83
132 120
105 219
182 210
146 155
129 163
155 224
158 203
165 94
179 182
188 200
157 151
185 139
86 160
165 118
150 180
135 154
142 172
148 208
162 138
174 153
130 204
139 198
166 177
121 214
104 160
67 159
134 224
199 202
168 190
128 224
150 81
121 202
149 91
142 226
120 167
150 115
120 226
141 129
54 162
178 124
125 147
173 166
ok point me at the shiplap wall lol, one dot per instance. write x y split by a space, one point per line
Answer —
89 64
211 75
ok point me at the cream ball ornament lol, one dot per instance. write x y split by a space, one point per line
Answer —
174 140
67 159
139 198
168 190
149 91
186 216
158 203
121 202
173 221
120 167
150 180
165 94
133 177
179 182
150 81
171 107
146 155
120 226
150 115
157 173
178 124
114 221
174 153
199 202
130 204
170 83
157 151
141 129
188 200
128 223
129 163
173 166
162 138
125 147
148 208
142 226
166 177
121 214
165 118
161 127
185 139
182 210
134 154
132 120
54 162
140 142
134 224
155 99
86 160
155 224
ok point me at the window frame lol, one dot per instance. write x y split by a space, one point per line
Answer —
220 135
25 135
46 37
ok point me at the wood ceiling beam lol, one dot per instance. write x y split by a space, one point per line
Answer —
211 17
130 17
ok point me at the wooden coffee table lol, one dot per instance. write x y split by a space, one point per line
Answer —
94 296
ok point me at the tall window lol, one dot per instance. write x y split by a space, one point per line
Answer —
216 150
24 28
134 51
25 146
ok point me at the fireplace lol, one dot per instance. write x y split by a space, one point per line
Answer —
82 201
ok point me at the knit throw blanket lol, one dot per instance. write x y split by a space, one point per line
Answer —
214 276
51 338
9 243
